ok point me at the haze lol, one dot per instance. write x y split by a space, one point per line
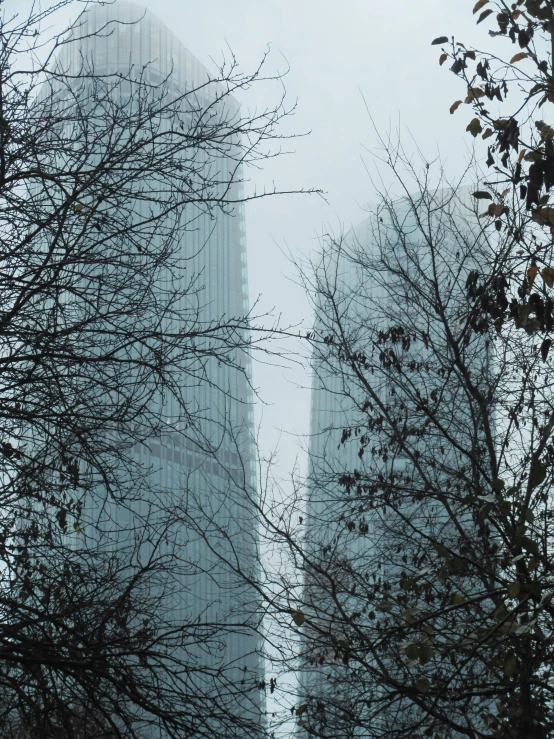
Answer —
340 56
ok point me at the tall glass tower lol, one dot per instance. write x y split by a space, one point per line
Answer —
202 459
374 455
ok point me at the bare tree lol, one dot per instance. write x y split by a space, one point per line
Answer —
426 551
426 555
110 345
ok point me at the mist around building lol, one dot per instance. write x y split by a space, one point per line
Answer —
164 572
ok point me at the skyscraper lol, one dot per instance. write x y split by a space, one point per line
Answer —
200 462
392 425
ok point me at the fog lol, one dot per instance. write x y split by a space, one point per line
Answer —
351 70
349 66
340 57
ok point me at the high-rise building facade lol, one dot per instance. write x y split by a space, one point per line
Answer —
202 461
375 448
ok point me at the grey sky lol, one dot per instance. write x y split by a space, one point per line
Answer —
336 51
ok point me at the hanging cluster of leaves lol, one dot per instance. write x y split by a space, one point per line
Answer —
510 93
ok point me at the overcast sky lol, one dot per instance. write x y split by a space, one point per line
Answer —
338 53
